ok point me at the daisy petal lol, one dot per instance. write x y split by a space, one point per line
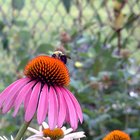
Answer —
75 135
33 130
5 138
45 125
63 128
36 137
68 131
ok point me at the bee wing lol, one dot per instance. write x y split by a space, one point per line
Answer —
68 57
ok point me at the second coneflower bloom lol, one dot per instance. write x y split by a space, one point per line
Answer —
117 135
43 92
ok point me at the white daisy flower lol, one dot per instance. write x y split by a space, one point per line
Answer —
4 138
44 133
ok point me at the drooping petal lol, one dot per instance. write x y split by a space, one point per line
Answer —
11 95
71 109
67 120
8 106
43 105
62 107
5 94
76 104
26 101
79 135
32 105
22 95
53 108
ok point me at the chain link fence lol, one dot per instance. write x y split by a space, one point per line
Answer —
45 18
42 18
102 38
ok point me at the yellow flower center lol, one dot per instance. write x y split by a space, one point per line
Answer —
55 134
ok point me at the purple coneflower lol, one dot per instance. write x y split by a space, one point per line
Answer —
43 91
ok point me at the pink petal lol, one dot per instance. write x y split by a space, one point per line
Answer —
32 105
11 95
9 106
71 109
53 108
6 92
62 107
26 101
67 120
76 104
43 105
22 95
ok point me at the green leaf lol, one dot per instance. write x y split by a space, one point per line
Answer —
5 42
131 130
76 84
44 48
88 112
133 17
102 118
1 25
110 38
20 23
67 5
88 25
23 63
24 37
18 4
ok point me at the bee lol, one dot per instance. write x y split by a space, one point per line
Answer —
61 56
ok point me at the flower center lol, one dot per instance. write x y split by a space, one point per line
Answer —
48 70
117 135
55 134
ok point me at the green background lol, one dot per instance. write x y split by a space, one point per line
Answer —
104 49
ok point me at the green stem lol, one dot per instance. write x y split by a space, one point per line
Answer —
22 130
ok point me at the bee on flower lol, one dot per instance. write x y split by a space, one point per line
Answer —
43 93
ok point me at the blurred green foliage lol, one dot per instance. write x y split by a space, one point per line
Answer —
104 65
